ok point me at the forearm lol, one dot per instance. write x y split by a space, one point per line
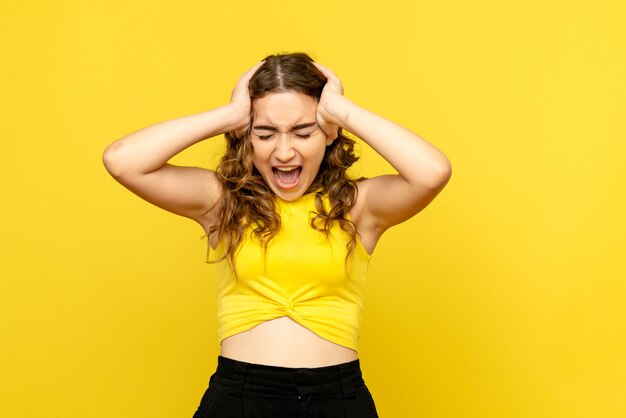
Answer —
148 149
416 160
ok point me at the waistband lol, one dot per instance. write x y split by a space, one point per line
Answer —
302 381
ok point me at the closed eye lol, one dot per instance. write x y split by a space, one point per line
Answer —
304 136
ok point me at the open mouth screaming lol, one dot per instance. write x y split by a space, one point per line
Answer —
287 177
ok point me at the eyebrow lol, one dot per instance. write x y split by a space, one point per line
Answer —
295 128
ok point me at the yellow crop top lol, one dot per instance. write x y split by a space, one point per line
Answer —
303 276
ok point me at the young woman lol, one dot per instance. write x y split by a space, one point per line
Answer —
292 233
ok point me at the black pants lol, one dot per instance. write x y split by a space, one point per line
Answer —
245 390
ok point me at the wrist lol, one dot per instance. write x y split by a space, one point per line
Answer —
339 109
234 117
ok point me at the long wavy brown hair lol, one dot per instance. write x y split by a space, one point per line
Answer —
247 201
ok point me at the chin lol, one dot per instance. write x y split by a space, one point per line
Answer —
290 194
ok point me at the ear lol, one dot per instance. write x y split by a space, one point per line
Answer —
329 141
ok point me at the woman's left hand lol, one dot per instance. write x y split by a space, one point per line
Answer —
327 117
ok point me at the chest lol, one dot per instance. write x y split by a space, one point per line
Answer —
297 256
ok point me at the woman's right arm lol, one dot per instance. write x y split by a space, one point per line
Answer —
139 160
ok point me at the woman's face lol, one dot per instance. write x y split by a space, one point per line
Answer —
288 145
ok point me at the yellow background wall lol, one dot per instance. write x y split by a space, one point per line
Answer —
503 299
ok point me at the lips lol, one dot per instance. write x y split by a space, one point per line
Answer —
287 177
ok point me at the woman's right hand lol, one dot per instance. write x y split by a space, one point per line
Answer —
240 101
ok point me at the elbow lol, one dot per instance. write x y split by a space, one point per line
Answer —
441 175
446 172
111 161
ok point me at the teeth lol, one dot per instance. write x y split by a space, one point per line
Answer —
285 168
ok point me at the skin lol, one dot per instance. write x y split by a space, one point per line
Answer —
139 162
281 139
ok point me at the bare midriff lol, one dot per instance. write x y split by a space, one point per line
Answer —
283 342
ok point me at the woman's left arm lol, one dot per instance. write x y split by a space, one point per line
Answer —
423 170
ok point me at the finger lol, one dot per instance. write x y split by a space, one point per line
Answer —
329 74
241 88
248 74
245 77
323 69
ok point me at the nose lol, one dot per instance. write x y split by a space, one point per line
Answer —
284 150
